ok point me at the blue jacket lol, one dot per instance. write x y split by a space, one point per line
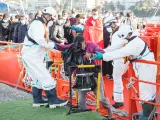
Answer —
20 33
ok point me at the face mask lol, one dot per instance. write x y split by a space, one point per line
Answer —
65 17
73 15
60 22
81 21
23 22
117 15
50 23
109 29
5 21
16 20
95 17
5 25
106 15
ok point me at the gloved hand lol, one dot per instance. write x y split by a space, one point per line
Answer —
98 56
55 47
65 51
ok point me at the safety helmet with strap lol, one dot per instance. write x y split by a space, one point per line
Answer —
109 20
124 30
51 11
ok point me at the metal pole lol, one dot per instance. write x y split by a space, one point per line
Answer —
63 6
26 4
156 11
21 4
71 4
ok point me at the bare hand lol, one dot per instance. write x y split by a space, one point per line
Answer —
87 56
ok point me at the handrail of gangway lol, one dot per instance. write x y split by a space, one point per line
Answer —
131 98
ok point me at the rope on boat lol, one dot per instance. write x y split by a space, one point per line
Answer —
22 70
121 113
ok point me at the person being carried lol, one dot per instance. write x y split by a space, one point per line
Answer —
90 48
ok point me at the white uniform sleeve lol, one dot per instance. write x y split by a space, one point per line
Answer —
117 43
37 32
134 48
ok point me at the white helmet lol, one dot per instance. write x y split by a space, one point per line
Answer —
109 20
124 30
50 11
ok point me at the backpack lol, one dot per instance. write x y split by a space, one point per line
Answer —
74 57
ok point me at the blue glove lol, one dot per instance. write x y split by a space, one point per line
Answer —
65 51
55 47
98 56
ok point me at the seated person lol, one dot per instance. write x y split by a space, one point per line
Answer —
89 48
78 27
58 32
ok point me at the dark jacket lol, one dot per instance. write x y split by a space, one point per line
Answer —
4 31
20 33
11 30
106 36
1 31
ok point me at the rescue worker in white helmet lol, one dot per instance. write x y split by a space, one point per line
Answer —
35 45
137 49
118 64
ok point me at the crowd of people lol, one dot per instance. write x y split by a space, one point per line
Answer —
110 37
14 28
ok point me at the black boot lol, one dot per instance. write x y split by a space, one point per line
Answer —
37 98
108 118
118 104
54 101
112 97
147 109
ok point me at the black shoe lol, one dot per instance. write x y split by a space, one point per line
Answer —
108 118
112 97
48 64
147 110
37 98
118 104
54 101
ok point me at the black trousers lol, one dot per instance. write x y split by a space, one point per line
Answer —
107 68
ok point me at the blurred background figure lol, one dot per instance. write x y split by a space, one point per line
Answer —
131 20
4 27
93 30
21 30
78 27
57 33
14 24
38 14
73 17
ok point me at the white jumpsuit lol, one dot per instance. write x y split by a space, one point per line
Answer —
118 66
33 57
143 71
